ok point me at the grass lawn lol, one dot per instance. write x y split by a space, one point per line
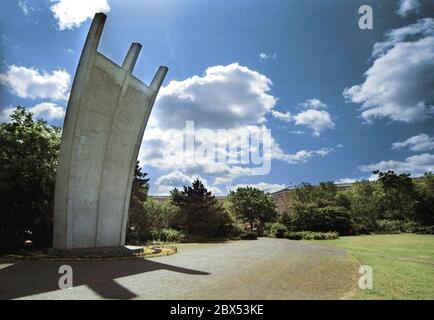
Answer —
403 264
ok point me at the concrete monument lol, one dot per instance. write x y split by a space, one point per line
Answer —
105 120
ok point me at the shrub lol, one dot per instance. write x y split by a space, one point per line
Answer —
308 235
235 231
169 235
249 235
390 226
425 230
293 235
277 230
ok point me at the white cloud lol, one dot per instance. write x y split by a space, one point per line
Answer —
316 120
72 13
301 156
264 56
30 83
25 7
229 96
399 85
45 110
263 186
416 165
405 7
372 177
421 142
5 114
282 116
48 111
313 104
346 180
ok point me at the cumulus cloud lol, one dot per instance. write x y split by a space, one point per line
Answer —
72 13
5 114
224 97
310 116
227 107
416 165
264 56
30 83
405 7
421 142
263 186
313 104
400 83
316 120
48 111
45 111
282 116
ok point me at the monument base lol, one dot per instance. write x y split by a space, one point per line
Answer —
104 252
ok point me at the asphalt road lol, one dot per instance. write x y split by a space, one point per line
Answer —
260 269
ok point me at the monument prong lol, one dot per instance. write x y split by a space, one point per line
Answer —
159 78
95 32
131 57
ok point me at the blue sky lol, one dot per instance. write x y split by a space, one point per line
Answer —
337 109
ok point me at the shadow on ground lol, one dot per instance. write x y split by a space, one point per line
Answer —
27 278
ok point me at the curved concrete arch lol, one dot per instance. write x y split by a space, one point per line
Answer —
104 125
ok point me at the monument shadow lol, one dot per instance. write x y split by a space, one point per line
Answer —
26 278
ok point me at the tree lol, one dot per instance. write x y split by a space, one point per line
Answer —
28 160
252 206
366 205
319 208
201 214
425 203
399 195
139 189
137 218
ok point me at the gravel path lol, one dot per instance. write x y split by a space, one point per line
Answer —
261 269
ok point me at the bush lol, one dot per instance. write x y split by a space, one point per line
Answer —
425 230
293 235
308 235
249 235
171 235
396 226
277 230
235 231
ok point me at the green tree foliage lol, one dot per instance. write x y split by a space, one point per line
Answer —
320 208
152 220
425 205
28 160
399 195
252 206
139 189
137 217
201 214
366 205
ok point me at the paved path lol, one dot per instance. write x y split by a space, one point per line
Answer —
261 269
